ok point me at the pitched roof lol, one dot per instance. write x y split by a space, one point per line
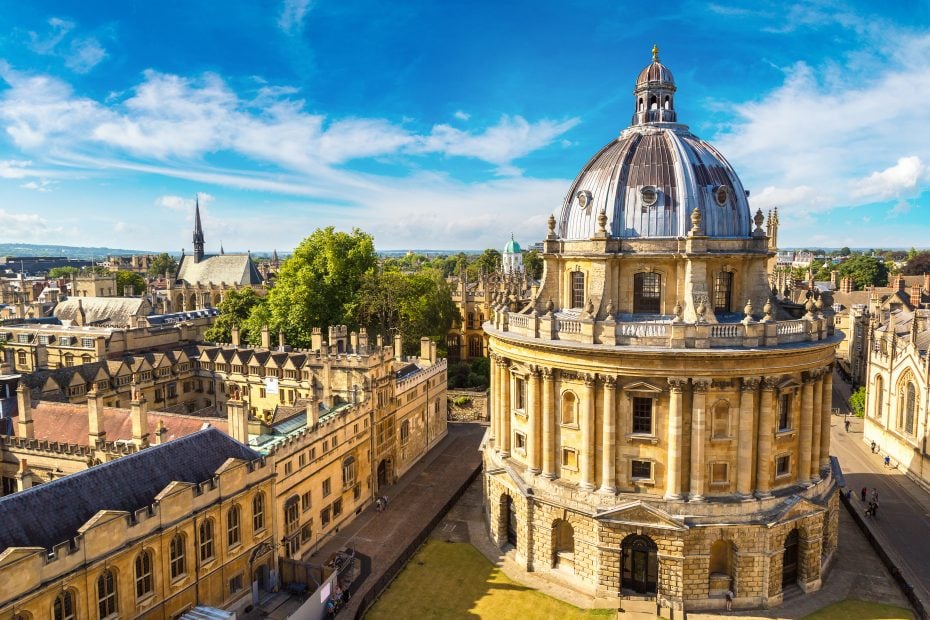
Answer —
103 310
228 268
127 484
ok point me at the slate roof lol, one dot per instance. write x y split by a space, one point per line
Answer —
228 268
127 484
103 310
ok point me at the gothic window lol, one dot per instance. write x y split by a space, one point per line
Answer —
642 415
723 288
206 540
569 409
63 608
452 346
577 289
291 514
784 412
471 320
475 348
177 561
145 585
106 594
647 292
258 512
348 472
879 397
907 408
232 526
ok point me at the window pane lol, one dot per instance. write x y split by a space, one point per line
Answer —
642 415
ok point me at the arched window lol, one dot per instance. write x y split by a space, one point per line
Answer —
723 288
569 409
475 347
879 397
910 410
144 582
453 346
258 512
640 104
577 289
106 594
667 102
232 526
653 102
471 320
176 558
291 514
63 607
563 544
206 540
647 293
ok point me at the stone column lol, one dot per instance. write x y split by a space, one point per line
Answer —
548 425
506 408
815 427
826 411
533 419
673 462
745 435
805 428
766 433
587 434
609 438
698 413
492 396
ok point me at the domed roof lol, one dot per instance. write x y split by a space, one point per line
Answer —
512 247
655 72
650 179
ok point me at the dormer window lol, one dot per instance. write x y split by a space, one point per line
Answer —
721 194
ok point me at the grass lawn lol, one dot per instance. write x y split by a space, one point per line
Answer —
864 610
453 580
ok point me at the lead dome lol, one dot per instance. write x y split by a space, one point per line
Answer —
650 179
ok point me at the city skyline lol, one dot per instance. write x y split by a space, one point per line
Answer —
443 127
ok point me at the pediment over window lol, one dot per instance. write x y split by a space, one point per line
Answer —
794 507
638 513
642 386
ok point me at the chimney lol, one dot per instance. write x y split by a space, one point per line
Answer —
313 413
846 285
266 337
238 420
915 295
901 283
362 341
927 283
424 348
432 352
398 346
353 343
23 477
316 339
95 430
138 411
834 279
379 341
160 433
234 335
280 339
24 403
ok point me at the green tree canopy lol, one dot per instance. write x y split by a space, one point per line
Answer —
62 272
162 264
317 285
864 270
533 263
916 265
235 308
488 261
130 278
857 402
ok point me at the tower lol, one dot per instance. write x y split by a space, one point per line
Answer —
198 233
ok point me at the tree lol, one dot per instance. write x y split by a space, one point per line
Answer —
917 265
235 308
130 278
533 263
62 272
845 251
490 260
857 402
162 264
865 270
317 285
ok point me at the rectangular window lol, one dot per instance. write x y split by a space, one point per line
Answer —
783 465
22 338
719 473
784 412
288 467
647 293
404 433
305 533
327 487
642 416
235 584
324 516
305 501
723 283
301 460
641 470
357 491
577 289
44 339
570 458
87 343
519 440
519 394
337 507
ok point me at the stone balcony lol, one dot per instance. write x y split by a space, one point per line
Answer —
658 332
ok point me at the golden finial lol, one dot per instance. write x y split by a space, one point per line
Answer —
655 53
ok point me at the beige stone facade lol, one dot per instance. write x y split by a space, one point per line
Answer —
660 424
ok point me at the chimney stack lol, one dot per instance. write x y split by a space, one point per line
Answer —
901 283
313 413
424 348
95 430
834 279
237 418
915 295
362 341
266 337
234 335
160 433
138 411
24 403
846 285
280 339
398 346
316 339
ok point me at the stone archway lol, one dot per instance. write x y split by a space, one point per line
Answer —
789 566
639 565
563 545
508 521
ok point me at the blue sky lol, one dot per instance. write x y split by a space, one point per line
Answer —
443 124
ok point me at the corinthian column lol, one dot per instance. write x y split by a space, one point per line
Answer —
609 438
698 414
766 432
815 427
747 398
492 395
587 434
805 432
548 424
673 463
506 409
533 419
826 410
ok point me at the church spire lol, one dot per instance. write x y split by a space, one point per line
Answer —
198 232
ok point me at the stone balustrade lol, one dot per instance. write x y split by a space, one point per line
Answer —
555 327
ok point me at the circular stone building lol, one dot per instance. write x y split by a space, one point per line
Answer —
661 420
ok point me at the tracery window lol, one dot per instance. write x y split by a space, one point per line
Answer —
106 594
63 608
258 512
176 556
206 540
232 526
144 583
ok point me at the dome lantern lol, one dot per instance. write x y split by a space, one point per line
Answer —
654 93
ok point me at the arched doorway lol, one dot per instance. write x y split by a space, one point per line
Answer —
789 566
509 514
384 473
563 545
640 565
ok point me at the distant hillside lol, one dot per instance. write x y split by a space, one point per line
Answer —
70 251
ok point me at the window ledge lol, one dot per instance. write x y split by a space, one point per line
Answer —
721 439
646 482
573 427
631 437
571 469
785 434
783 476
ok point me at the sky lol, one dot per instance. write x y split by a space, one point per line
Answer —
443 125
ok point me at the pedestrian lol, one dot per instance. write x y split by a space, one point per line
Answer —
729 597
863 494
874 494
846 424
887 461
874 508
873 446
870 510
384 501
378 505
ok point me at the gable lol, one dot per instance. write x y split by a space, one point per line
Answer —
642 386
638 513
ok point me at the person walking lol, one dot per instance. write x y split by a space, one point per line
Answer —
846 424
729 597
864 490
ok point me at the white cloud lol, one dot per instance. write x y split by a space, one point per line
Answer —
80 53
85 54
24 226
462 115
42 185
292 15
15 169
180 203
898 180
